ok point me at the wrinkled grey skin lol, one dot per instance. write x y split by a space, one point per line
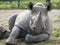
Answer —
12 21
32 32
3 33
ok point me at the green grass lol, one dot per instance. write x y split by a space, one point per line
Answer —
4 6
8 6
59 16
56 31
33 0
57 6
24 6
57 20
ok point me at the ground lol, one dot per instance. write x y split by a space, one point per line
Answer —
54 16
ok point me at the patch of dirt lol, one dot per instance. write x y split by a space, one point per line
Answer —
6 14
54 14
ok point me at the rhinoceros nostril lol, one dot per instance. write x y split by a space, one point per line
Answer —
34 28
42 27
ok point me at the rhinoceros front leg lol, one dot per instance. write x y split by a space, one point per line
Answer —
12 36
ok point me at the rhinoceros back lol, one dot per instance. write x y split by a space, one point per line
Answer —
22 20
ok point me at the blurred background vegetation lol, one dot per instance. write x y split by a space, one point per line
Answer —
13 4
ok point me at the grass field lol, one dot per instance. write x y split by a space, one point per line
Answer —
24 5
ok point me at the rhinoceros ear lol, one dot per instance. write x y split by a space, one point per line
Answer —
49 7
30 5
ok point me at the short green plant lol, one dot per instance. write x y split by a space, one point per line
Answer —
24 6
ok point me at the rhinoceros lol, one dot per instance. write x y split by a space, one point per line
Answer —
33 25
3 33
